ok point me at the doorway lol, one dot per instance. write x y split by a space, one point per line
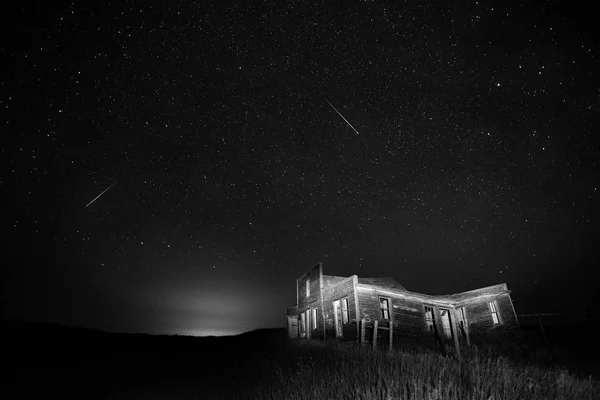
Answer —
337 316
446 326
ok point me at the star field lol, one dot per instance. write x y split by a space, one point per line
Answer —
475 161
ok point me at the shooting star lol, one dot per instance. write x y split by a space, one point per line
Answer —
96 198
348 122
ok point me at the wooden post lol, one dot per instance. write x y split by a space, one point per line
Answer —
375 334
455 329
467 333
356 308
391 335
308 323
362 330
322 302
465 325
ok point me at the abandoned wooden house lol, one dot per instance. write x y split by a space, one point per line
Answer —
380 310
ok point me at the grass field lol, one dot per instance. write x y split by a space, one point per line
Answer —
265 365
309 371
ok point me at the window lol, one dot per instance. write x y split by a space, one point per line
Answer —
314 318
430 319
337 317
384 304
345 315
494 311
307 288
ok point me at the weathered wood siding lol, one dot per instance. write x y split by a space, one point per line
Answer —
406 310
387 282
313 277
407 317
368 303
507 312
313 300
480 318
330 280
344 288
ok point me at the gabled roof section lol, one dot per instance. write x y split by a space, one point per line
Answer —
330 280
488 290
387 282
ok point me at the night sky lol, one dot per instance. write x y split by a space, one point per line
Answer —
469 156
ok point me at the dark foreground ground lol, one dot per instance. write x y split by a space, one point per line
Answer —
52 361
49 360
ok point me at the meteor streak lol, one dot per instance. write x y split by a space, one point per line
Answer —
349 124
96 198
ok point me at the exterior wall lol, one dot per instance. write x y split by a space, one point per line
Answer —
407 311
343 289
330 280
369 305
313 277
407 317
480 318
507 312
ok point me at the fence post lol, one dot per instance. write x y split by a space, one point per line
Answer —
375 334
391 335
362 330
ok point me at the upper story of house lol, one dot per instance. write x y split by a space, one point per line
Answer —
308 287
313 283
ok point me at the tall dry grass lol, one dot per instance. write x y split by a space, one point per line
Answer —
312 370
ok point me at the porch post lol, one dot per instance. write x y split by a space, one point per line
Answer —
391 335
322 302
356 307
362 330
466 327
456 333
375 334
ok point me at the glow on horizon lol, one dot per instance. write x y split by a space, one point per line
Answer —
206 308
208 332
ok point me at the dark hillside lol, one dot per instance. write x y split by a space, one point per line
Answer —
62 359
48 360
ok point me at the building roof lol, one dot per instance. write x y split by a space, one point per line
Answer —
331 280
456 298
386 282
